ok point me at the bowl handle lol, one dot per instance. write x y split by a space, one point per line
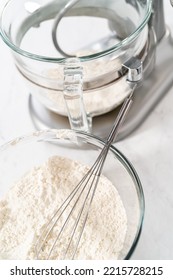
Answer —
73 95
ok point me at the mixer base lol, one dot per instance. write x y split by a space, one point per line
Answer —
146 98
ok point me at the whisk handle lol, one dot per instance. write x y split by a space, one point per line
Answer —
120 118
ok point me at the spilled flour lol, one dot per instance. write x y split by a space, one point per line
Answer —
29 204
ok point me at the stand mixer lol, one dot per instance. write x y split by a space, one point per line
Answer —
152 39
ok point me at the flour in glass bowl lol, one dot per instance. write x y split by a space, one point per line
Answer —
98 101
29 204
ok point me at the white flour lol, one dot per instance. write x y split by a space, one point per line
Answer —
30 203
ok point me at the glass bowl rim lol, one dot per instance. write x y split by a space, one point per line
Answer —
45 135
98 55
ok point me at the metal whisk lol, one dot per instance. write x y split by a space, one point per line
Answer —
70 219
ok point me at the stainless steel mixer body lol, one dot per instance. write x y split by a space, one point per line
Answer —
158 83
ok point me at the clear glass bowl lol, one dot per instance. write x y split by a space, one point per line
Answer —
103 34
20 155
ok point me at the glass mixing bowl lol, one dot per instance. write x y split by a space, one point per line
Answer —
103 34
20 155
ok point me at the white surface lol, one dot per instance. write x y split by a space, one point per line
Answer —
149 149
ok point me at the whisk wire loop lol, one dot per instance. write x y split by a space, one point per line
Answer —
94 186
75 225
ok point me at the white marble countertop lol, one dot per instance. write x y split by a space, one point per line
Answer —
149 149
